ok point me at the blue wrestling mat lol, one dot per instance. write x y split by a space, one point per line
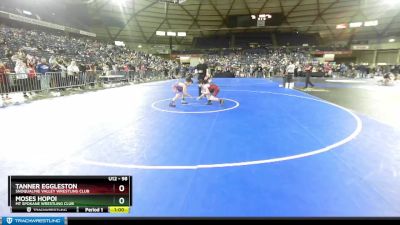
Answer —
267 151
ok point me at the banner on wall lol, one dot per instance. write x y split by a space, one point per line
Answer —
332 52
329 57
360 47
42 23
36 22
316 61
87 33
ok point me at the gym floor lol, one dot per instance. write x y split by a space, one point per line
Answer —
333 150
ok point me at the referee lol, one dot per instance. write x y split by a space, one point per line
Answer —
308 70
203 73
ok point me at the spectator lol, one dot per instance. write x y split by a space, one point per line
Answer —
4 84
21 76
73 72
32 78
42 69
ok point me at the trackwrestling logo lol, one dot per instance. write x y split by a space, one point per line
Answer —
32 220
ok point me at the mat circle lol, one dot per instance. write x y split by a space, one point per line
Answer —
155 106
353 135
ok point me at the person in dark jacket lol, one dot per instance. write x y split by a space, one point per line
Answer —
308 68
203 73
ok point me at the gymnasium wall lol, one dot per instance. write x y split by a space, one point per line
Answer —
374 57
387 56
377 52
364 57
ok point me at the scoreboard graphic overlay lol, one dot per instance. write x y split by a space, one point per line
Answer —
70 194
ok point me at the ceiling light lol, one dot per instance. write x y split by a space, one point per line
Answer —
181 34
371 23
160 33
355 24
341 26
391 40
170 33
